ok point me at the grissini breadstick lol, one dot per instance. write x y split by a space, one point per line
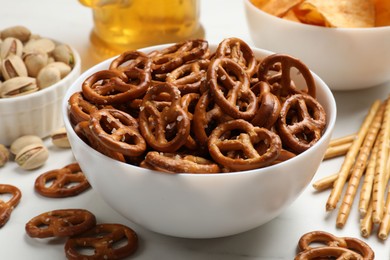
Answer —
338 150
384 226
366 190
358 169
342 140
366 223
350 157
379 179
325 183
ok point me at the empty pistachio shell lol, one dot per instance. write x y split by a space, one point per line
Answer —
19 32
10 46
34 62
24 141
48 76
4 155
13 66
18 86
60 138
42 44
32 156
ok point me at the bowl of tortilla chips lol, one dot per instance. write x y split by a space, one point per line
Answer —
345 42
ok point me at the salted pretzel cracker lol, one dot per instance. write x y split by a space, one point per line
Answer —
269 106
188 103
301 123
170 58
242 146
180 163
60 223
238 51
189 77
165 128
6 207
114 86
83 130
117 131
230 88
65 182
130 60
322 237
206 117
331 252
80 108
285 64
332 246
108 241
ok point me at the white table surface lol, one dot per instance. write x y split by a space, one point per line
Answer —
70 22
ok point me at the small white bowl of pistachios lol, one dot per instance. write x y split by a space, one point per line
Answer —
35 73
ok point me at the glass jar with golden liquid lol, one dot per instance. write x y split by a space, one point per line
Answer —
121 25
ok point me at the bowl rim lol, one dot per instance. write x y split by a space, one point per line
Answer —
326 135
249 4
75 70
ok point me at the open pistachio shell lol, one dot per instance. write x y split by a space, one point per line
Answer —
24 141
13 66
32 156
18 86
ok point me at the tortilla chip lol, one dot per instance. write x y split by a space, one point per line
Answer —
309 14
276 7
382 12
339 13
291 16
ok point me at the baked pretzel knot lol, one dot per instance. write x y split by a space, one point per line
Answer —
276 69
329 246
60 223
80 108
6 207
238 145
109 241
180 163
164 125
118 131
59 183
230 88
238 51
301 122
269 106
168 59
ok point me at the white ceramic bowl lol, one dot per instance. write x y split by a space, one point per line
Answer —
37 113
199 205
346 59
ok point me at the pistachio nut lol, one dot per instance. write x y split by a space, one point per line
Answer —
48 76
13 66
63 52
10 46
18 86
4 155
41 44
60 138
18 32
61 66
32 156
34 62
24 141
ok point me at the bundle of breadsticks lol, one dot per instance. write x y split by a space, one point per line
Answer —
366 165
